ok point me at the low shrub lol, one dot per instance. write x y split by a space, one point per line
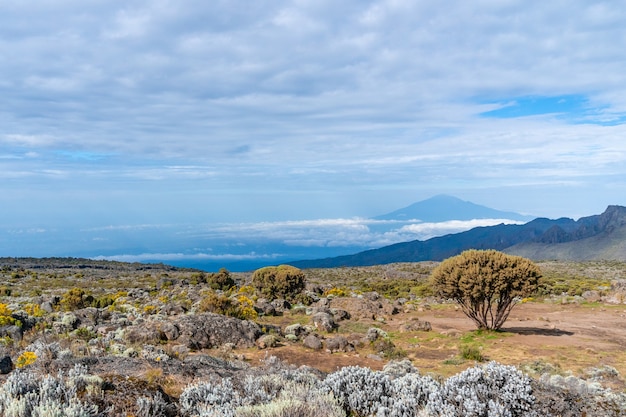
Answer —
25 359
245 308
221 280
360 391
206 399
6 317
217 303
388 349
74 299
154 406
34 310
25 394
490 390
336 292
471 352
283 281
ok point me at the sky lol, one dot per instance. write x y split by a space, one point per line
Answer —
137 115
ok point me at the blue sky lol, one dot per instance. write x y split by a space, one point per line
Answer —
153 114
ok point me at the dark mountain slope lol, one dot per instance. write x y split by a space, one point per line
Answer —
594 237
492 237
601 237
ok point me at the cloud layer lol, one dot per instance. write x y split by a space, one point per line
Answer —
187 111
276 241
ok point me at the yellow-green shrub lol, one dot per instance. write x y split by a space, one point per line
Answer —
336 292
5 316
216 303
222 280
246 308
25 359
247 290
34 310
283 281
240 307
73 299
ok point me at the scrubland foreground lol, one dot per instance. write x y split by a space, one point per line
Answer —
87 338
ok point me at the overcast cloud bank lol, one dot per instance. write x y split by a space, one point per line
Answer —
190 112
295 240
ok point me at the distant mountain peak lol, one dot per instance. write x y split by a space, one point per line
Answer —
613 216
443 207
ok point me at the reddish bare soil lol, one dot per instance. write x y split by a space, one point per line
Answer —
570 337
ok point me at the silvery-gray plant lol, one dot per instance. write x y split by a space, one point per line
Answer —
25 394
360 391
493 390
207 399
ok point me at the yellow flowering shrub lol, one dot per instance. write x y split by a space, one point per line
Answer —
246 308
34 310
247 290
5 316
25 359
336 292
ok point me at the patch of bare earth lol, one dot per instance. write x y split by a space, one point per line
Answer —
569 336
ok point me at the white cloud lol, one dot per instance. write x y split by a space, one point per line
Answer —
165 257
356 232
301 97
29 140
428 230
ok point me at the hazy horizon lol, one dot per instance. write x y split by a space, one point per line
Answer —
186 117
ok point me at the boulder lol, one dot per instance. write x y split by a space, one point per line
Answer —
47 306
210 330
312 342
416 326
338 344
147 333
296 330
170 331
281 305
265 308
357 340
363 307
267 341
14 332
592 296
323 302
166 283
339 314
173 309
6 365
372 296
91 316
324 322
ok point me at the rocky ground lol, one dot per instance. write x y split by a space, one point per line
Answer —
142 330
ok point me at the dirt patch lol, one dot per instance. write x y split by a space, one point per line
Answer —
569 336
322 360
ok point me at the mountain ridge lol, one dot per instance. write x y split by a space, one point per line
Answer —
538 239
